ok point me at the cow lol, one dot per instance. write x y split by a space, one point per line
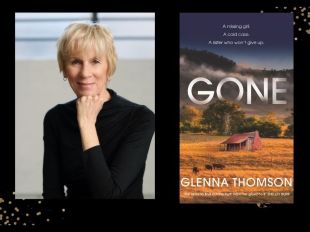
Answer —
195 170
218 166
208 167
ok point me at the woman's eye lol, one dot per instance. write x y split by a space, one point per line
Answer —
96 61
75 62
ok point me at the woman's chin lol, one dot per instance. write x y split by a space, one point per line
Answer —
85 93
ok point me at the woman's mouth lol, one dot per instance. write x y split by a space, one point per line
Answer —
85 86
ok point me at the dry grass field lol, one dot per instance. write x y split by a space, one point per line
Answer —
274 160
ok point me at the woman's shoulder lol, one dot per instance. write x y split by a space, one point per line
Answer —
141 115
144 112
137 109
58 109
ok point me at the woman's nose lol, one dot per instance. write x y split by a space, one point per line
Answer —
86 70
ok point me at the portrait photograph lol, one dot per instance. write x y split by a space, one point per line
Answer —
85 105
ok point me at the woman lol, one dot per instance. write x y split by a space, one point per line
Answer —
97 144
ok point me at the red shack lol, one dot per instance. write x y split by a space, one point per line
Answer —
246 141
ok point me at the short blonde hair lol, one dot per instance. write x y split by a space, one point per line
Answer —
87 36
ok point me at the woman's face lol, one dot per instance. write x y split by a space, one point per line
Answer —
87 73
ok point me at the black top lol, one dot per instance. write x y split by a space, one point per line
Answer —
114 169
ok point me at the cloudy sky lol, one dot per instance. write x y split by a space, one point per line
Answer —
275 30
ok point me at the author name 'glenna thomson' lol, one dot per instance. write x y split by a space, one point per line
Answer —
237 182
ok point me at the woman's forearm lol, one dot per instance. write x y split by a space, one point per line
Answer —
88 108
89 136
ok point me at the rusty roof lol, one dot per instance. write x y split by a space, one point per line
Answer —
239 138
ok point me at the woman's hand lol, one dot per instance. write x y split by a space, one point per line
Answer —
88 108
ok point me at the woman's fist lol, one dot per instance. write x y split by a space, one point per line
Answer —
88 108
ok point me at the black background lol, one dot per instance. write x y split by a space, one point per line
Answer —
167 118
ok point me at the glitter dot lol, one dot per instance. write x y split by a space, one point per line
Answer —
17 219
297 17
295 38
294 8
294 23
305 20
302 14
4 211
63 210
12 214
303 9
27 214
32 224
47 219
0 208
38 213
24 224
276 7
39 202
7 217
15 223
13 193
285 7
10 202
16 209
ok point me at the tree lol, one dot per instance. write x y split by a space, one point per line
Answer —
190 118
290 129
268 129
271 117
290 119
249 124
224 117
190 114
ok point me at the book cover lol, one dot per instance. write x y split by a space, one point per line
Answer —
236 108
